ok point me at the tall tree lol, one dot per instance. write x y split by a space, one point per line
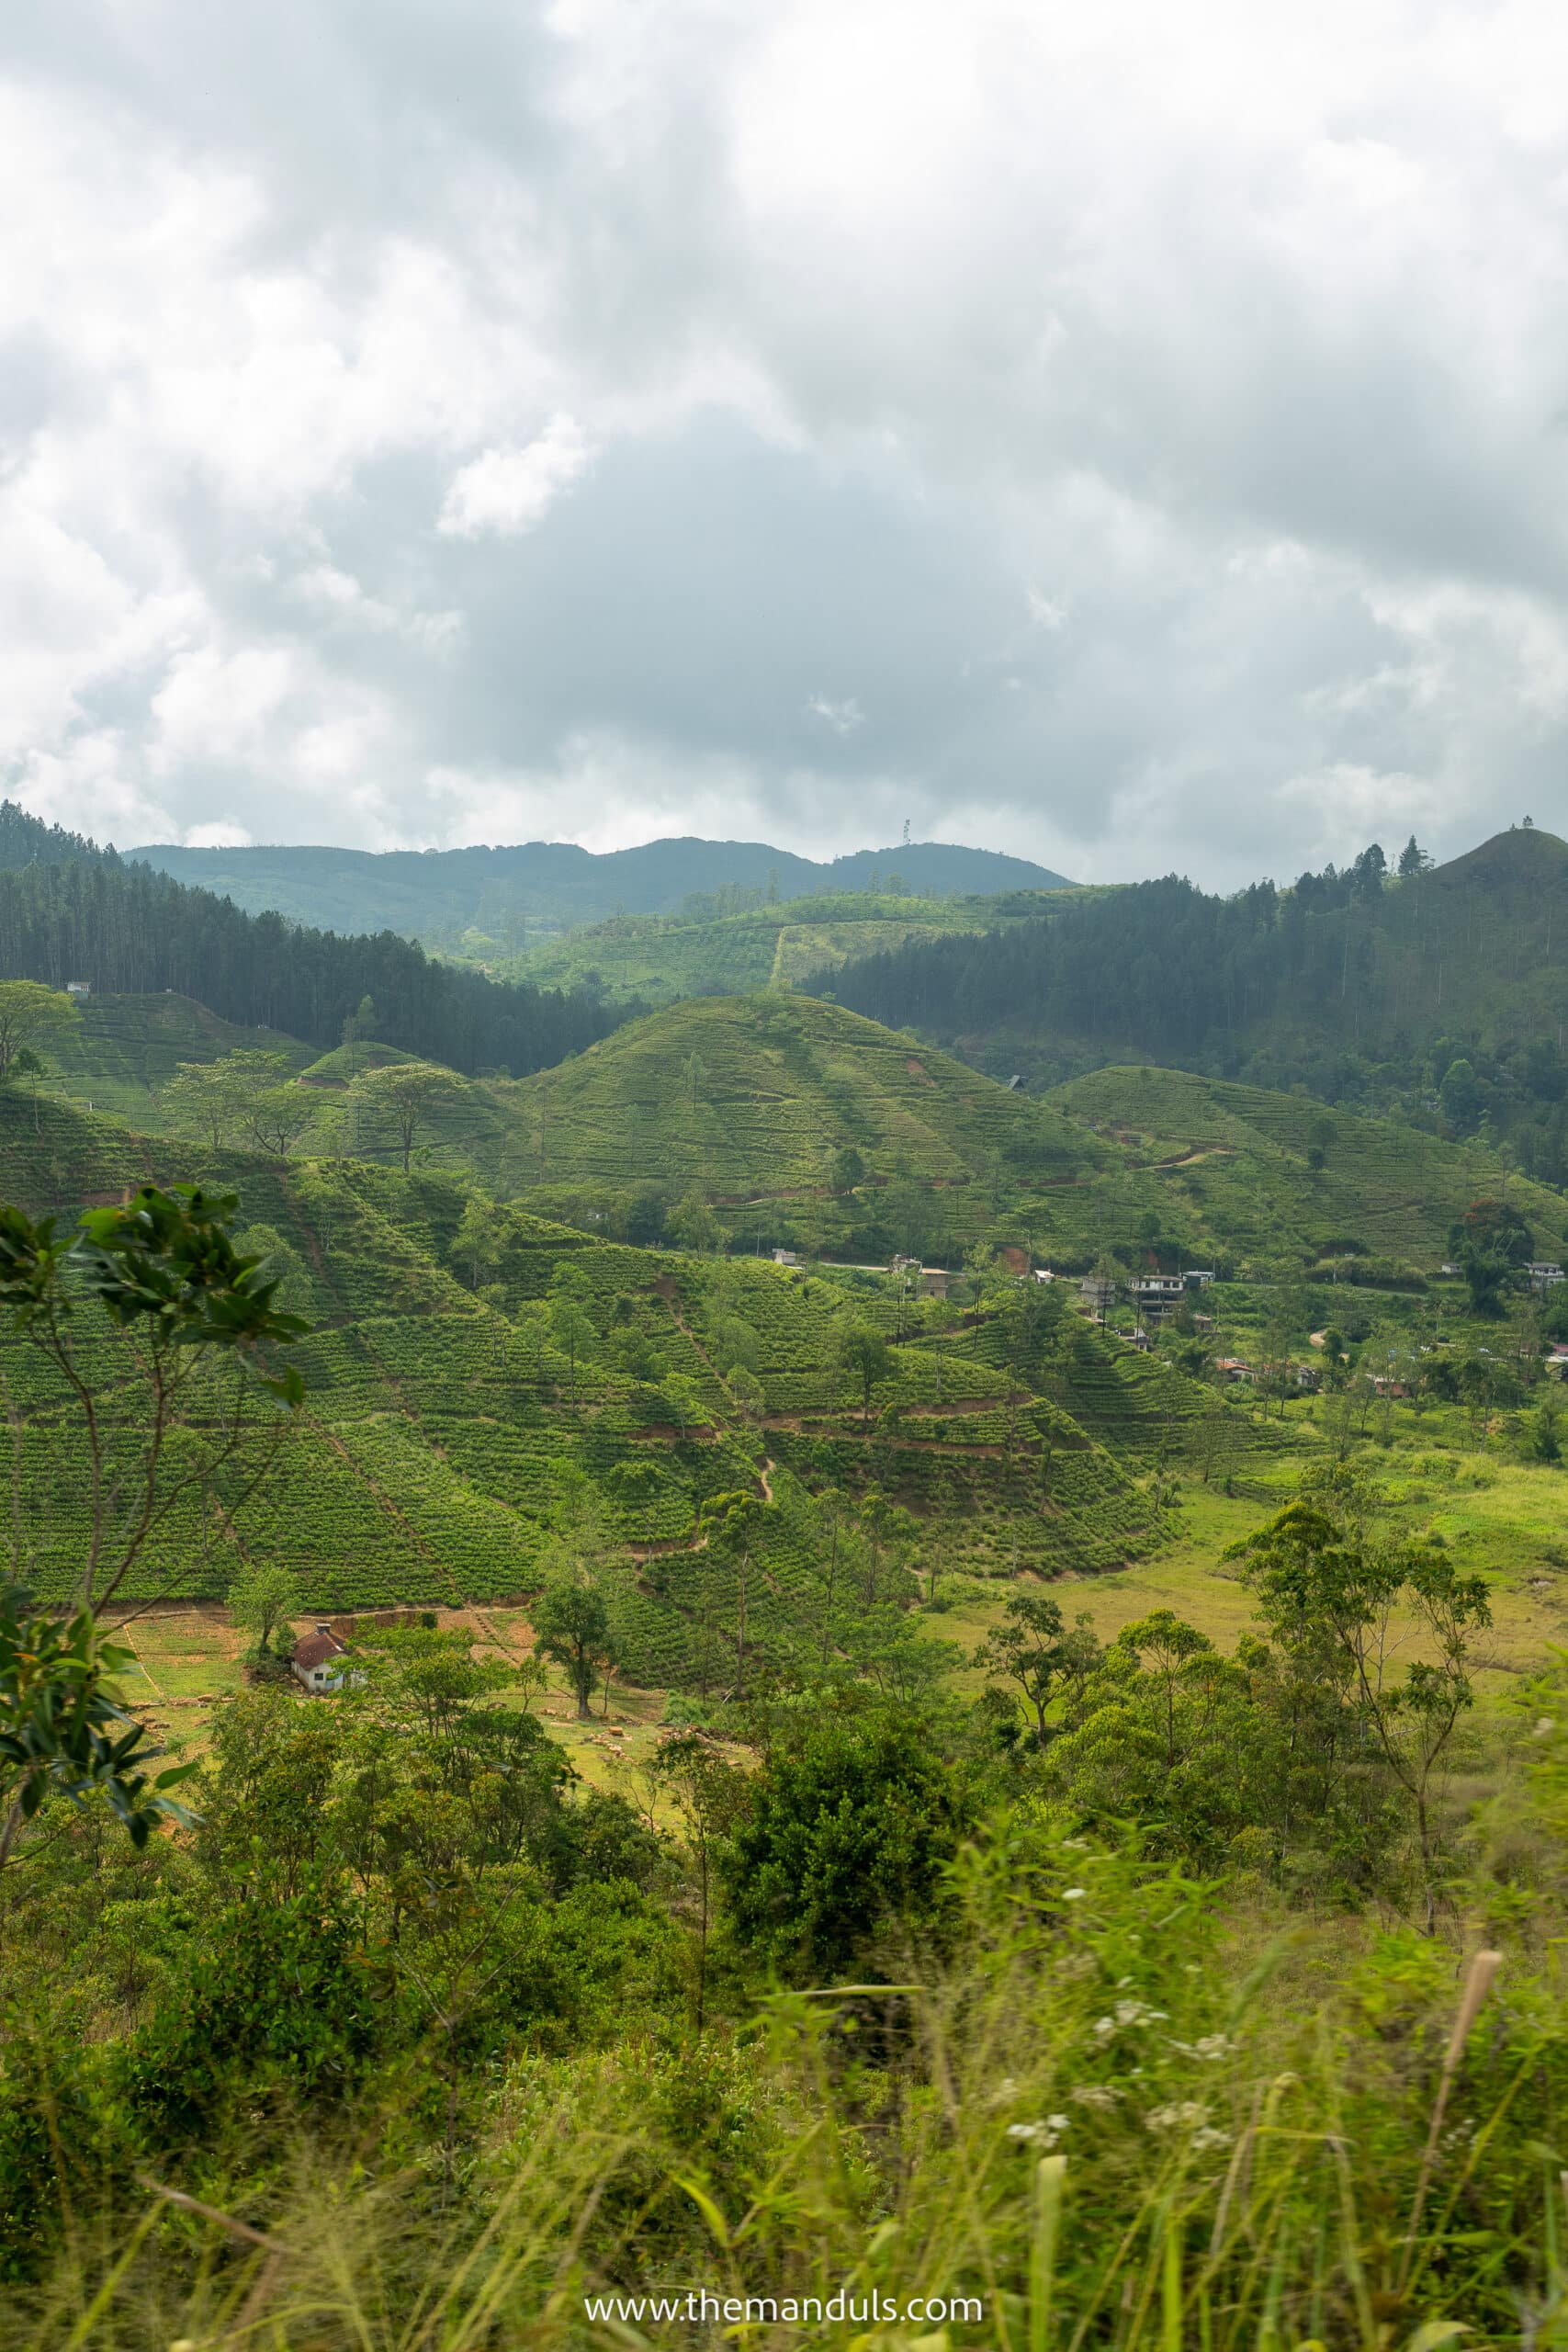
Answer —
572 1628
31 1018
406 1096
866 1356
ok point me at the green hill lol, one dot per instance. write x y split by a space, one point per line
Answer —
753 1097
71 912
752 1102
512 896
443 1429
1255 1175
805 1127
126 1047
656 958
1365 986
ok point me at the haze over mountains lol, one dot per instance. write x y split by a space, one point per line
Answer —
513 895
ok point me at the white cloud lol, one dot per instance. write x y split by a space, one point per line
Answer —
220 835
843 715
1158 414
507 491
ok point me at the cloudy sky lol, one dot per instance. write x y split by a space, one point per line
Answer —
1129 435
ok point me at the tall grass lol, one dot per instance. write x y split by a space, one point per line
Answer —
1113 2123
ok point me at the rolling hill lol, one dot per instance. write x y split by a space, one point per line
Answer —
510 897
70 911
1253 1174
126 1047
804 1126
752 1101
754 1096
445 1430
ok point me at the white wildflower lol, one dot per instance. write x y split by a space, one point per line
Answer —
1075 1845
1543 1727
1208 2136
1100 2094
1184 2115
1210 2046
1074 1894
1046 2128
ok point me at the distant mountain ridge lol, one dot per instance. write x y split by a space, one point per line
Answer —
516 894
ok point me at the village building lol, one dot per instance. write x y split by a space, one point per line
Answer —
1543 1272
315 1660
1159 1291
1197 1277
785 1257
77 987
1097 1294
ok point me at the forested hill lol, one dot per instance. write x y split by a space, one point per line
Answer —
71 912
510 897
1319 983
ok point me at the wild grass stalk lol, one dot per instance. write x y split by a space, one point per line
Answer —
909 2167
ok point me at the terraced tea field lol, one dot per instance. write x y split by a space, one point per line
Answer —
748 1096
126 1047
446 1434
1270 1175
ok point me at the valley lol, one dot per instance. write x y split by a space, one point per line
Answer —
781 1515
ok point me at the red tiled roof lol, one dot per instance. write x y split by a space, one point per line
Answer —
317 1648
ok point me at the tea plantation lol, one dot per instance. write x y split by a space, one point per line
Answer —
1272 1174
451 1436
657 959
752 1096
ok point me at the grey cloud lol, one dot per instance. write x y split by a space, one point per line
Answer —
1138 452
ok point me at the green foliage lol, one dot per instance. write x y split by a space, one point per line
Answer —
1491 1242
404 1097
263 1597
281 1998
572 1627
1034 1649
865 1356
62 1730
33 1019
849 1836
